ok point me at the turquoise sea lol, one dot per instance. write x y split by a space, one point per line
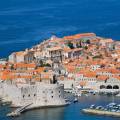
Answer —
24 23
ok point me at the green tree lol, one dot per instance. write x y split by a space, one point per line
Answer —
70 45
88 41
85 47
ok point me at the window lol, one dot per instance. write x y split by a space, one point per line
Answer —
59 96
34 95
23 96
43 91
52 96
29 95
59 91
51 91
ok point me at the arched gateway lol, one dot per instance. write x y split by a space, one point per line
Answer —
109 87
102 87
115 87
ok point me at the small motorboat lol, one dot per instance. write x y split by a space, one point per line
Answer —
112 104
118 95
118 111
99 108
94 93
77 94
92 107
75 100
67 101
113 110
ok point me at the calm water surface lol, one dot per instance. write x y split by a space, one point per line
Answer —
24 23
71 112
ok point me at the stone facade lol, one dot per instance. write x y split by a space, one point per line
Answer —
38 94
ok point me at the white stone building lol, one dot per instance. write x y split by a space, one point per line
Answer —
38 95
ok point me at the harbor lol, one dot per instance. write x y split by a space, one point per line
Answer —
112 109
65 113
56 64
101 112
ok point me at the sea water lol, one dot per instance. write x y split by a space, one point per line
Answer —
24 23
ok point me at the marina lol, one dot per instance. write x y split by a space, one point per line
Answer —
66 113
112 109
101 112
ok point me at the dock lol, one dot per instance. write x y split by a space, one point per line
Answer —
101 112
18 111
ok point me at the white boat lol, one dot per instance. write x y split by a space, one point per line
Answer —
92 106
118 95
75 100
